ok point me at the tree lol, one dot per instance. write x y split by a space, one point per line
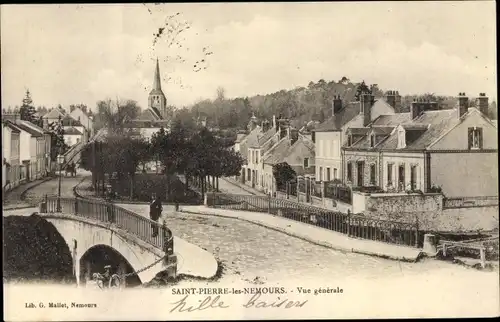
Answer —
362 89
344 80
27 110
492 111
114 114
57 139
283 173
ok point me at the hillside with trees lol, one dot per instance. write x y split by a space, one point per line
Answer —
301 104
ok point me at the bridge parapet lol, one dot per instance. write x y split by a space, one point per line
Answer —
124 219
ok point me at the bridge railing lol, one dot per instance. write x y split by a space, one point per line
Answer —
124 219
352 225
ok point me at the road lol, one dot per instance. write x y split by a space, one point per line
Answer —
226 185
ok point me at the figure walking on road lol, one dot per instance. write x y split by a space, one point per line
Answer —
155 209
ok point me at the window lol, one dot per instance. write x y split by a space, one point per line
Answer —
349 171
335 174
389 173
413 177
372 174
475 138
328 178
401 179
306 162
77 140
349 140
372 141
320 174
256 156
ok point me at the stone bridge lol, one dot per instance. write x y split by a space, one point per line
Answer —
99 233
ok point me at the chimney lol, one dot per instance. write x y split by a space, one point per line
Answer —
366 107
463 104
274 121
417 107
394 99
482 103
336 104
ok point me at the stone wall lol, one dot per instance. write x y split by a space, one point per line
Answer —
403 202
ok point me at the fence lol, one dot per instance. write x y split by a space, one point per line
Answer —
338 192
357 226
127 220
469 202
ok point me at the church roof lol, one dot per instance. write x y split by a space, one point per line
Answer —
157 81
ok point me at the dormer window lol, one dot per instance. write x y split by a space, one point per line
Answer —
401 138
372 140
475 138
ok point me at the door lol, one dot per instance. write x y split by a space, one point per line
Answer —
361 168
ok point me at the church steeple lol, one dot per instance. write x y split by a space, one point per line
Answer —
157 80
157 100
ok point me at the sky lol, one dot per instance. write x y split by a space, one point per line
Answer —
72 54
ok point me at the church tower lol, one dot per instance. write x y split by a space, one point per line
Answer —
157 100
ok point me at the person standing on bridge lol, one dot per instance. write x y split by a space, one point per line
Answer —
155 209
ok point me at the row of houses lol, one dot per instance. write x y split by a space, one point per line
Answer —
370 143
25 153
26 147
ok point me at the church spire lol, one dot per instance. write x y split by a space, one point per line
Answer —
157 80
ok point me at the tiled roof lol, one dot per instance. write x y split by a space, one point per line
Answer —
53 114
278 152
248 141
72 131
33 126
391 120
266 136
284 148
437 122
29 130
382 130
11 126
335 122
358 130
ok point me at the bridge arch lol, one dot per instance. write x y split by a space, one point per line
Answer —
96 257
86 237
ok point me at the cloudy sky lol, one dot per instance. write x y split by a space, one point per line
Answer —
69 54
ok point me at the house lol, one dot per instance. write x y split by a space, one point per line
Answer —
293 148
155 117
53 115
257 149
34 150
11 175
331 135
83 118
72 136
243 147
455 149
